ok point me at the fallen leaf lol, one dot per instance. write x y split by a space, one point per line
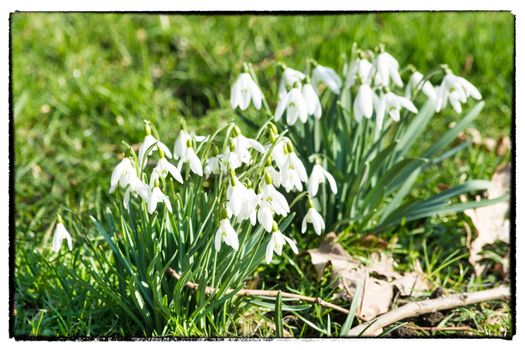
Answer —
489 222
377 277
503 145
473 135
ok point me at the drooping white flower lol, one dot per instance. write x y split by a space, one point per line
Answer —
212 166
275 198
385 67
415 83
295 105
391 103
155 197
192 159
313 104
183 140
364 103
293 173
122 174
60 234
318 176
265 215
225 233
289 78
277 153
359 69
149 141
245 90
242 146
276 243
235 194
136 187
327 76
274 175
456 90
249 206
313 217
162 170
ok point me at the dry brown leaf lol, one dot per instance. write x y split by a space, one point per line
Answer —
378 277
503 145
490 222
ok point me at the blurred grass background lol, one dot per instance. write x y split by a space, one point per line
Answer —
82 83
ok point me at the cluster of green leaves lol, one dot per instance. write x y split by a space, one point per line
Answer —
81 83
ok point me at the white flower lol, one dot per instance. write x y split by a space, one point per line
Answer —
318 176
149 141
61 234
249 206
191 158
156 197
364 103
276 244
183 141
313 217
359 68
294 104
121 174
232 158
313 104
136 187
265 215
391 103
278 151
242 146
236 195
274 175
386 68
212 166
226 233
288 79
327 76
245 90
293 173
275 198
162 170
456 90
415 83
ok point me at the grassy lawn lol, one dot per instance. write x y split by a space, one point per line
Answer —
82 83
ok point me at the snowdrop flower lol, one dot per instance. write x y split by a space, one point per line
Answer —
241 146
289 78
415 83
275 198
149 141
60 234
391 103
136 187
313 104
249 206
456 90
121 174
236 194
192 159
265 215
277 153
245 90
274 175
162 170
386 68
156 197
327 76
318 176
364 103
313 217
295 105
183 140
359 70
293 173
277 242
225 233
212 166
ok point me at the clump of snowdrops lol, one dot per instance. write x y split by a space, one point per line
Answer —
363 128
341 151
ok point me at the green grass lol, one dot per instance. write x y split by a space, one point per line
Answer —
82 83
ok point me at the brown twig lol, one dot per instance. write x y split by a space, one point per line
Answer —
417 308
260 293
442 329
